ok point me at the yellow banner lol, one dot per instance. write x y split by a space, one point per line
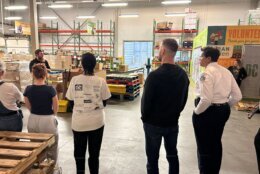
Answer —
22 28
240 35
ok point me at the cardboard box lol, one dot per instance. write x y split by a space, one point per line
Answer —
99 66
141 78
164 25
102 73
123 68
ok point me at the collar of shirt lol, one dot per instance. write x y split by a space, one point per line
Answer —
212 64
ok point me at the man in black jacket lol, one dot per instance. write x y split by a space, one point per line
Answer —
164 97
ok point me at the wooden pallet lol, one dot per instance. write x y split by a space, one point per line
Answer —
19 150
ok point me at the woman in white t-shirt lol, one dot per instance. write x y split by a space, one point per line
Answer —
89 94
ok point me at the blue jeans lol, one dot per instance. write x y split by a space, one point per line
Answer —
153 139
11 123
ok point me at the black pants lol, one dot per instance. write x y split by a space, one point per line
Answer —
94 140
257 148
208 128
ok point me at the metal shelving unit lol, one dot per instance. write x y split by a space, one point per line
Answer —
79 37
176 34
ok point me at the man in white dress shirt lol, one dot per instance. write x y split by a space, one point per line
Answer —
218 91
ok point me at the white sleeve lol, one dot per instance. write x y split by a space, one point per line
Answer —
70 91
206 93
105 92
18 95
235 94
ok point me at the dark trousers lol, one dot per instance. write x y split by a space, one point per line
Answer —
257 148
153 139
94 140
208 128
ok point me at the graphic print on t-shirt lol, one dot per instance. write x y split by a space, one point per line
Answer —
87 97
78 87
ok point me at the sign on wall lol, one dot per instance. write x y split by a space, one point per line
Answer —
22 28
240 35
251 60
216 35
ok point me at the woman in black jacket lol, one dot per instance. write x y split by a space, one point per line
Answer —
238 71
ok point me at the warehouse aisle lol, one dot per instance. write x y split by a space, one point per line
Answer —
123 143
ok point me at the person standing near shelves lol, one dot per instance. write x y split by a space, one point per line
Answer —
238 71
217 91
42 101
164 97
11 118
89 94
39 59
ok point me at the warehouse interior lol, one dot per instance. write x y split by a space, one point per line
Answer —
125 37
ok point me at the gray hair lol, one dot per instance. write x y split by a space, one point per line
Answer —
1 66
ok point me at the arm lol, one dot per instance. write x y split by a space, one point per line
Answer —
18 95
148 95
243 73
30 66
235 95
27 103
186 92
105 93
206 95
47 65
55 104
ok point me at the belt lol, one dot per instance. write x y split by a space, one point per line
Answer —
8 114
219 104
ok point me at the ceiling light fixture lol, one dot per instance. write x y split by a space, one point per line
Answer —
85 17
60 6
38 3
16 7
129 16
88 1
176 2
11 29
48 17
60 2
11 18
123 4
175 14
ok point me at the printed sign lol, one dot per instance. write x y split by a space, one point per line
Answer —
240 35
22 28
225 51
216 35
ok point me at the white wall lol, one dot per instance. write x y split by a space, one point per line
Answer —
210 14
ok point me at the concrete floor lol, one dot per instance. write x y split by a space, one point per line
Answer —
123 150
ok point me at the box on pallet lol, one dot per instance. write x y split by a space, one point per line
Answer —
123 68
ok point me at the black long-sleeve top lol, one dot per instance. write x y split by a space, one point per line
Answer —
165 95
238 73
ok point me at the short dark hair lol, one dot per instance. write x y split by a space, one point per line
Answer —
36 52
214 53
39 71
88 62
171 44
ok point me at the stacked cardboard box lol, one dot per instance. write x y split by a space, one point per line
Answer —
18 73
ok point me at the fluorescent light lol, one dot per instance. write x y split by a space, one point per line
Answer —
48 17
16 7
88 1
175 14
123 4
129 16
38 3
85 17
11 18
61 2
60 6
176 2
11 29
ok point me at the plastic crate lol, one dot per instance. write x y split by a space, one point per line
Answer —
119 89
63 106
